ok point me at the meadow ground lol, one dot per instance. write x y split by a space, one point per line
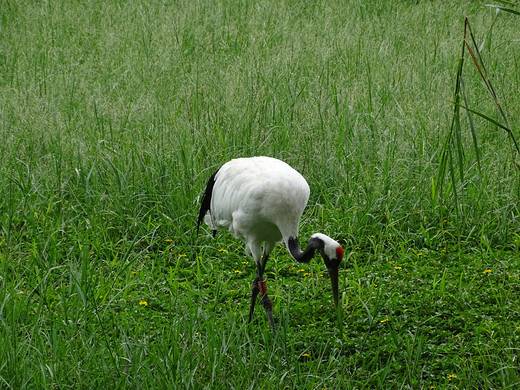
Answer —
113 114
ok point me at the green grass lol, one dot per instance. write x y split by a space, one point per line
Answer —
114 114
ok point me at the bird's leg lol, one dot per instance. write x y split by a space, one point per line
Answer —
259 286
262 286
254 292
260 265
266 302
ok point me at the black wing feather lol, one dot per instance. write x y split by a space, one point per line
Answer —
206 201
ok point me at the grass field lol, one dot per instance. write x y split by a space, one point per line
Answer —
113 114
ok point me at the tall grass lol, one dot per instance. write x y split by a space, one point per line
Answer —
114 114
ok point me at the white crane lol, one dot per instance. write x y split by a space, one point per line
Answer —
261 200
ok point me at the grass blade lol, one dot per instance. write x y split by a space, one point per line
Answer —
471 126
498 7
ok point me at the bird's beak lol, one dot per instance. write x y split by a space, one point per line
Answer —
333 272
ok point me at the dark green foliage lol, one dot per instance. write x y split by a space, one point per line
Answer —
113 115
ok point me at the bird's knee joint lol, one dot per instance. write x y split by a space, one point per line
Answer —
262 286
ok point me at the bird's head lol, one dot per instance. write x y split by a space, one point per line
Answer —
332 254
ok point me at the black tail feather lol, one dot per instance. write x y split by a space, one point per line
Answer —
206 201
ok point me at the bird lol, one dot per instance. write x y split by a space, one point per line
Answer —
261 200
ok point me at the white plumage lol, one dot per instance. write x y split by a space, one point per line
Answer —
261 200
258 199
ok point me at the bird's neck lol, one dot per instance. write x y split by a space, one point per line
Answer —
299 255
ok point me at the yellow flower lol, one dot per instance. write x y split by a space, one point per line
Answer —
451 376
487 271
383 321
168 240
143 303
244 262
372 236
391 262
292 268
222 250
305 354
419 254
238 272
301 270
398 267
306 274
101 297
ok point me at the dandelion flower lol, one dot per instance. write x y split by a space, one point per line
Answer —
383 321
451 376
306 274
398 267
238 271
222 250
305 355
244 262
301 270
487 271
143 303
